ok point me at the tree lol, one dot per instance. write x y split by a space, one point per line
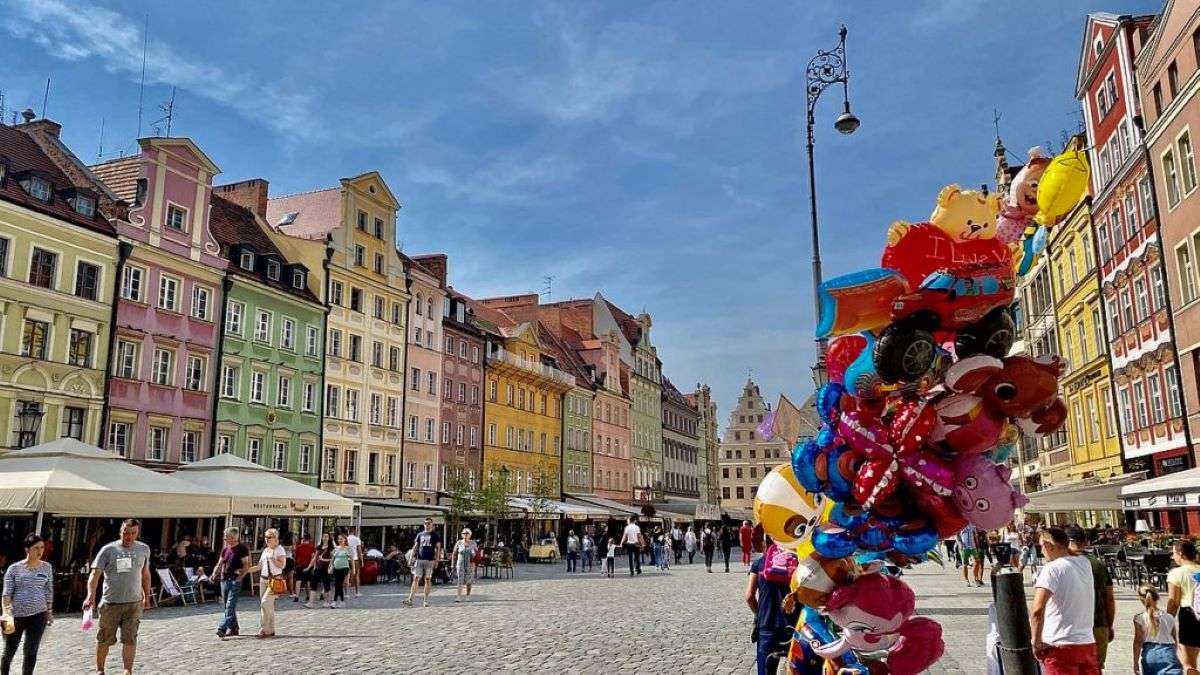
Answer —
491 498
542 494
463 501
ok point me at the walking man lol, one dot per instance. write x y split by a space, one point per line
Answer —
746 541
689 542
231 568
1104 601
427 551
572 552
677 542
589 549
125 566
1063 615
630 539
727 536
356 558
972 557
708 543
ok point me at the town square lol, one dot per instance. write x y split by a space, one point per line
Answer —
815 338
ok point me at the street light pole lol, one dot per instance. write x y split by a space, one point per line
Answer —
826 68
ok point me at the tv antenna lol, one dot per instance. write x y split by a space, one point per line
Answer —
142 85
100 150
168 110
548 287
1 106
45 98
996 122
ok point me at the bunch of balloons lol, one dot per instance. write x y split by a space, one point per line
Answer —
923 407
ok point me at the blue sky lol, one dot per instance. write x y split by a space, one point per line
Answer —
650 150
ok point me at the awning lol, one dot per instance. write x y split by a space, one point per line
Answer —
1181 488
608 506
738 514
252 490
69 478
394 512
1090 495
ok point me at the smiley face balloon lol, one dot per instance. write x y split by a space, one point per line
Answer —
787 512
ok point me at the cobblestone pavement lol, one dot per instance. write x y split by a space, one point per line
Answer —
543 621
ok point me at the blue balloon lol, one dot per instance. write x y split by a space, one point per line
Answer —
875 537
851 521
862 379
833 542
804 459
826 436
915 542
828 402
839 488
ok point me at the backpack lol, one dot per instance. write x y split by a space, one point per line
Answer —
707 539
778 565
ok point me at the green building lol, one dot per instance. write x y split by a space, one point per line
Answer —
270 381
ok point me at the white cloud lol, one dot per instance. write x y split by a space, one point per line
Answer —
77 32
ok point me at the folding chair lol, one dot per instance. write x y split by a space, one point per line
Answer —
193 583
170 591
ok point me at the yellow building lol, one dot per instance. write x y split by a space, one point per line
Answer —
1092 434
523 419
363 401
58 263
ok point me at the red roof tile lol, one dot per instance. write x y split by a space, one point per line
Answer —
24 154
232 224
317 213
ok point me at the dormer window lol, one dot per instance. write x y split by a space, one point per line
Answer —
38 188
84 205
3 169
298 280
246 261
273 270
176 218
139 196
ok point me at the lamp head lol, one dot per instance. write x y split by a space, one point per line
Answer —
846 123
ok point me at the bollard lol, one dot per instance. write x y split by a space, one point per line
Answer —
1012 621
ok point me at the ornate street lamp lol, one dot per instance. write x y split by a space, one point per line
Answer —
29 420
826 68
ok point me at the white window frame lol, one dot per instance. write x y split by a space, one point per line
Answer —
231 381
187 454
158 444
157 374
235 313
201 302
279 456
253 449
197 383
258 385
283 392
184 219
287 333
166 281
118 438
312 339
125 366
262 332
308 399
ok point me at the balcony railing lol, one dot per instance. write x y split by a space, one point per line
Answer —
532 366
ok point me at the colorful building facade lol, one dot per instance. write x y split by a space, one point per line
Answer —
462 402
423 476
58 265
365 340
746 455
1133 284
1167 69
681 444
708 462
1092 432
646 392
163 362
271 372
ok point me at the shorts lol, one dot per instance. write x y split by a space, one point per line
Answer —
1029 555
124 615
303 574
965 554
1070 660
422 569
289 565
1189 628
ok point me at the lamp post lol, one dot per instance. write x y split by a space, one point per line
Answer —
825 69
29 420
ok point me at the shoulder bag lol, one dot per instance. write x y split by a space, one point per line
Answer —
277 583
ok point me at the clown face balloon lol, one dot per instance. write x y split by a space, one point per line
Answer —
786 511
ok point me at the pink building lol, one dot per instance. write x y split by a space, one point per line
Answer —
170 298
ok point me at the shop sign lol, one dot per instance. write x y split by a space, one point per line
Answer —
708 512
1172 464
1137 464
1132 502
1177 499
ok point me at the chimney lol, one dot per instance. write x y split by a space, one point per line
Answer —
28 115
44 125
251 194
437 263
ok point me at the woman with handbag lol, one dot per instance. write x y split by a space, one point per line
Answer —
274 584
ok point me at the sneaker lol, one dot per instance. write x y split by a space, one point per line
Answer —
979 583
221 634
407 602
466 598
458 599
970 585
330 605
426 604
308 605
357 594
295 598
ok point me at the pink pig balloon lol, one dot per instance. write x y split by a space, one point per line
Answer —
982 492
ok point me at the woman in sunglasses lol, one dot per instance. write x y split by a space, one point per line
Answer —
464 552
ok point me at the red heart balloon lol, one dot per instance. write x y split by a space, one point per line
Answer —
841 353
941 512
911 425
865 435
925 248
877 479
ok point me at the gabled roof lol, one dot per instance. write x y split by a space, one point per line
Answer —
629 325
24 154
491 315
378 177
568 361
120 176
168 143
316 213
232 225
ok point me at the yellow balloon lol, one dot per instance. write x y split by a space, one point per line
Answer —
785 510
1062 186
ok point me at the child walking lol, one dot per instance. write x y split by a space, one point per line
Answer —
610 560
